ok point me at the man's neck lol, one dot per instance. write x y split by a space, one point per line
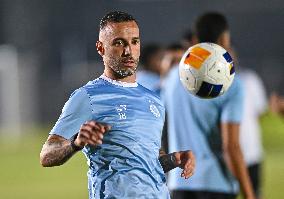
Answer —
128 79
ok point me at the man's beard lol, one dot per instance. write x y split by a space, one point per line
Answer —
120 71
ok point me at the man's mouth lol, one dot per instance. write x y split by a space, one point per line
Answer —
129 63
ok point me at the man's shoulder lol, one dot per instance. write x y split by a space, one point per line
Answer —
94 83
86 89
237 85
234 94
149 92
95 86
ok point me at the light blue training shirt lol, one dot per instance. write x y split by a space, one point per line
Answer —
126 165
194 124
149 80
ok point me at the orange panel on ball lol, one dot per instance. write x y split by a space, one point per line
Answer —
196 57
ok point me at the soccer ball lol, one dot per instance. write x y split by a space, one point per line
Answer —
206 70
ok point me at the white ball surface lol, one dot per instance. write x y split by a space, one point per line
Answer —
206 70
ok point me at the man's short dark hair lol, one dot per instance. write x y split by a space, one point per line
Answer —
115 17
210 26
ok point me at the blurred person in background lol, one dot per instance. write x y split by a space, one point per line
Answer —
171 58
255 105
276 104
175 52
210 128
187 39
117 123
150 75
156 62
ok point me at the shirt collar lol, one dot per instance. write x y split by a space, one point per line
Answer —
118 83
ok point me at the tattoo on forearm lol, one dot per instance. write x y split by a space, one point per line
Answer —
55 152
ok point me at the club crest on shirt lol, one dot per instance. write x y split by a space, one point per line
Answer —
121 110
154 109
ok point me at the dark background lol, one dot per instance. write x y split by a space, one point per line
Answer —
56 40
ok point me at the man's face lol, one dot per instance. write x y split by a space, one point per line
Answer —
120 48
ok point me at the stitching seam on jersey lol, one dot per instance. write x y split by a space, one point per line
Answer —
89 100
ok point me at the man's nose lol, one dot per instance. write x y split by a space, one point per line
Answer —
127 50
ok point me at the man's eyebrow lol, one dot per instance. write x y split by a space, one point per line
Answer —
119 38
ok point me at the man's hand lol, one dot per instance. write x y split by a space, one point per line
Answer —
183 159
91 133
186 161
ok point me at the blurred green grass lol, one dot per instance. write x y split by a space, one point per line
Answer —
273 141
21 175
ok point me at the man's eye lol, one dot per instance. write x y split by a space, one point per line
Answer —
118 43
135 42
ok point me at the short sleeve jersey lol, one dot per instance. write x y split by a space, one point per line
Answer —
126 164
194 123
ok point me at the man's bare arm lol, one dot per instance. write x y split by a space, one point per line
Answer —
234 157
56 151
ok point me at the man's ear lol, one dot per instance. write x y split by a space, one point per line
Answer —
100 48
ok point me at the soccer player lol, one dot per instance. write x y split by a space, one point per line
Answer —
210 128
117 123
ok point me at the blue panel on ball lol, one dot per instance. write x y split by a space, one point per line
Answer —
228 57
208 90
232 70
216 90
204 89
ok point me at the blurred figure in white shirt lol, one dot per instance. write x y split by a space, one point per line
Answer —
255 105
